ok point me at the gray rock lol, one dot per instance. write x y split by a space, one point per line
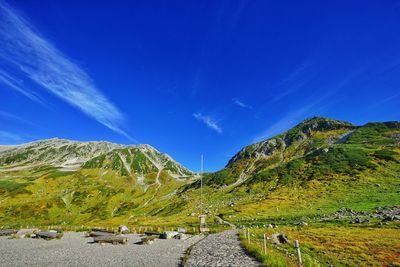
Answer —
168 234
279 238
123 229
27 232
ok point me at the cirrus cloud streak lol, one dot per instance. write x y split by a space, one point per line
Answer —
37 59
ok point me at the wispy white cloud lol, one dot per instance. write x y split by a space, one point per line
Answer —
293 82
208 121
385 100
17 85
16 118
28 52
7 137
241 104
294 117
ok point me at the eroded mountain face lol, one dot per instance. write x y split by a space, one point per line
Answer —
308 142
320 164
67 155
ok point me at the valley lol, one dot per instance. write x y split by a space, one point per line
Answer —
330 184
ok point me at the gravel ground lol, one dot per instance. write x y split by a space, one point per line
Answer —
222 249
76 250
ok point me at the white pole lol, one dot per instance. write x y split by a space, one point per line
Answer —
265 244
297 247
201 185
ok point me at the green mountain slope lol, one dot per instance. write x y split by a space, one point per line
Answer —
313 169
68 182
330 184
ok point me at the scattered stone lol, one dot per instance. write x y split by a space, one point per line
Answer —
49 235
111 239
27 233
73 250
8 232
123 229
168 234
391 218
97 233
301 223
279 238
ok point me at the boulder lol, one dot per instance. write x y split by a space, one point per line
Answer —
49 235
168 234
113 239
279 238
391 218
97 233
27 232
181 230
8 232
123 229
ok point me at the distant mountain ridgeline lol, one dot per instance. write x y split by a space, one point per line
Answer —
316 167
67 155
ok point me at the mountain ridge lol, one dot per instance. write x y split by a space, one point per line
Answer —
71 155
343 164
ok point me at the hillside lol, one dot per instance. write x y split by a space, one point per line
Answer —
69 182
314 169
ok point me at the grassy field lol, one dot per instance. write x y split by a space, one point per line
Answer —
329 244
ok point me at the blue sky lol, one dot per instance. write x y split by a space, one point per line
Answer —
193 77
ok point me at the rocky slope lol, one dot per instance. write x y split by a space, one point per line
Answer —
70 155
310 140
315 168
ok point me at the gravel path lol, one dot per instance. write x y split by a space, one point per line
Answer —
75 250
222 249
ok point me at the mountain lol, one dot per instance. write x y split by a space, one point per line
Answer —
316 168
314 142
313 169
67 155
72 182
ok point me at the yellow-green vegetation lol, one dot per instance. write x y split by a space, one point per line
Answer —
328 244
304 175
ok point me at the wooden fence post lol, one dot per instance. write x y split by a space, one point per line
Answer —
248 236
265 244
297 247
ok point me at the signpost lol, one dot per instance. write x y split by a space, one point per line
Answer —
202 218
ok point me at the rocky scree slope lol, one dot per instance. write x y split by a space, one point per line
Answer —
70 155
313 139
